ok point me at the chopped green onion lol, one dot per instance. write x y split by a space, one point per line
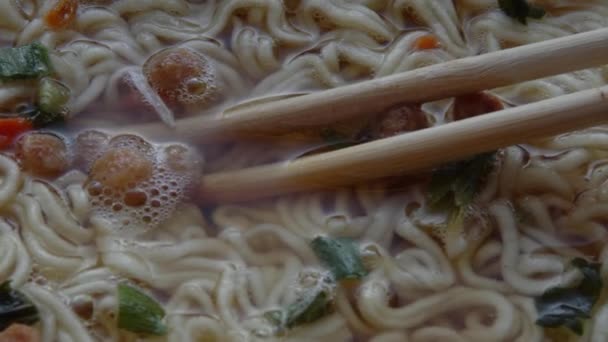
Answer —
51 105
25 62
15 307
313 304
570 306
138 312
39 118
454 186
341 256
53 96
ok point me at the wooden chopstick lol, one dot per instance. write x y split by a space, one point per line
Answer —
434 82
413 151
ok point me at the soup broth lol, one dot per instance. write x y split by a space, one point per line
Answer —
105 237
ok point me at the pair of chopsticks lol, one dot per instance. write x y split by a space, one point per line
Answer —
412 151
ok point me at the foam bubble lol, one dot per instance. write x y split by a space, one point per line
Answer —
131 141
135 204
118 167
182 75
88 147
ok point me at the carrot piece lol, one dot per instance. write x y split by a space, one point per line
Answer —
62 14
426 42
11 128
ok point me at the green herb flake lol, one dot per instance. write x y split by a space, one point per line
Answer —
15 307
53 96
40 118
569 306
139 313
25 62
341 256
521 10
51 104
309 307
454 186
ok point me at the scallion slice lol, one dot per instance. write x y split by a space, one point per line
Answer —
24 62
341 256
139 313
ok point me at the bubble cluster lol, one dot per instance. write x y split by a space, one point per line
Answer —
131 141
42 154
88 147
181 75
135 185
121 166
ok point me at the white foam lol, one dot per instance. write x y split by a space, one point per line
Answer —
139 206
199 88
